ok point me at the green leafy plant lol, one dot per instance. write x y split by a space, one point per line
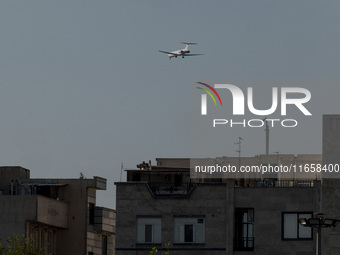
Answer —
153 250
19 245
166 252
167 247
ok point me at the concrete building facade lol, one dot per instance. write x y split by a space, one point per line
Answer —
59 214
212 217
160 205
331 182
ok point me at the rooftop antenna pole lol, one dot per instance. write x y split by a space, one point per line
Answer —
121 170
239 158
267 136
239 151
278 162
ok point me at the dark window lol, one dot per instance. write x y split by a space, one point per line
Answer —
91 213
244 229
104 245
135 177
189 233
292 230
189 229
149 229
90 253
44 191
50 242
148 233
178 180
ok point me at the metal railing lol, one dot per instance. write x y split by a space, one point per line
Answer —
244 244
274 183
168 189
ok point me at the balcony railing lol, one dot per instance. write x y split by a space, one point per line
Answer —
274 183
244 244
171 189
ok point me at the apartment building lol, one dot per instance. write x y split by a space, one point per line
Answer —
59 214
160 205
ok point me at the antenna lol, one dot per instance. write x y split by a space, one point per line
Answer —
239 146
239 151
121 171
239 157
267 136
278 157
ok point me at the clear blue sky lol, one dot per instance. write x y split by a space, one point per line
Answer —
84 88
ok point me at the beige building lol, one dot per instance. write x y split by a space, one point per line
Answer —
60 214
161 204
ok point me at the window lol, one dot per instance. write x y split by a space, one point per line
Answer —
104 245
149 229
292 230
42 237
189 229
50 242
244 229
91 213
178 180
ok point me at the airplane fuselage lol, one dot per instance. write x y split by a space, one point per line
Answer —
183 52
177 53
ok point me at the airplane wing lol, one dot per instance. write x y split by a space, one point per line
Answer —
167 52
189 55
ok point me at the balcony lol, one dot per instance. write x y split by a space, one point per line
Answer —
17 210
170 189
52 212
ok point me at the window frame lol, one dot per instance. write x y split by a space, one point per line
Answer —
104 244
194 224
239 227
156 229
298 226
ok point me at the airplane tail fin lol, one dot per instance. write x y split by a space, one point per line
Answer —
187 44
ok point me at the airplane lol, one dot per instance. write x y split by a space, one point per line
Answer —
183 52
